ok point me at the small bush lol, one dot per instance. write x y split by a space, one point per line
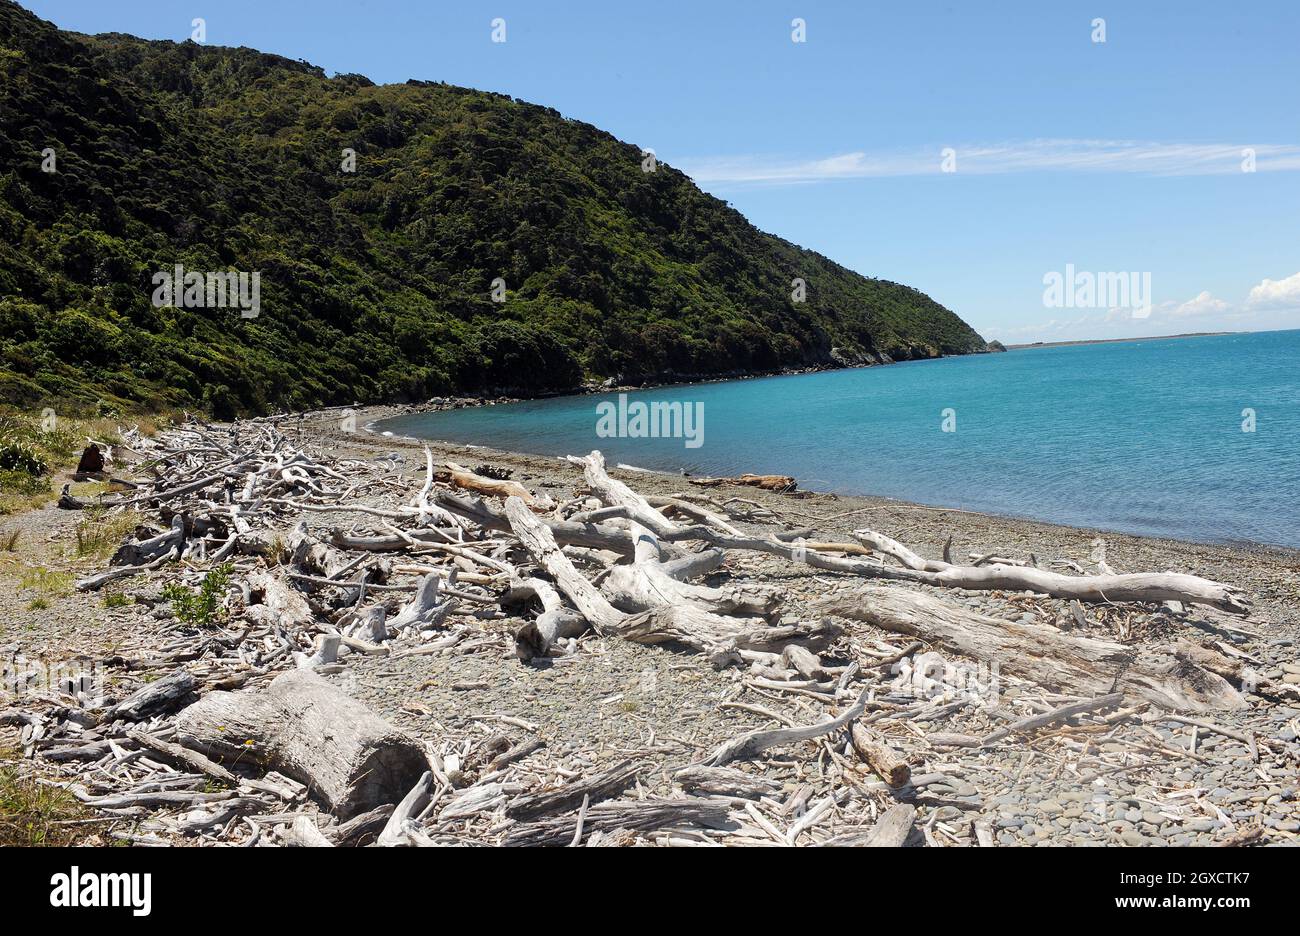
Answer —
200 608
116 600
20 457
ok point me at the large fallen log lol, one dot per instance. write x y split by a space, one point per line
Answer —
1148 587
350 759
1084 666
1152 587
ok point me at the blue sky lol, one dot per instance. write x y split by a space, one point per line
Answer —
1122 156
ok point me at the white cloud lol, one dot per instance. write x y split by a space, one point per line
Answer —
1044 155
1275 294
1202 304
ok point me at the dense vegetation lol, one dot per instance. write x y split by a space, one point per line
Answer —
375 284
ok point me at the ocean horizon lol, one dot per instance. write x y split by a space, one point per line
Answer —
1192 438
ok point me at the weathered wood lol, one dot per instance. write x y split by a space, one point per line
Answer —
304 833
1084 666
1059 714
350 759
467 480
556 622
701 780
538 539
171 691
1152 587
183 757
754 743
890 831
642 815
888 764
604 785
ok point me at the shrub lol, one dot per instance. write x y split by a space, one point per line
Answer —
202 607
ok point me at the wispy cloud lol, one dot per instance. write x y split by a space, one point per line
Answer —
1090 156
1269 304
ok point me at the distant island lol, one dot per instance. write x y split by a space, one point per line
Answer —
1086 341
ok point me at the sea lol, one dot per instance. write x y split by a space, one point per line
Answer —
1194 438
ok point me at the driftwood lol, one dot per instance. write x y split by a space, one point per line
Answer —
604 785
169 692
467 480
556 622
879 756
1147 586
890 831
755 742
481 572
1059 714
1085 666
615 815
782 484
350 758
703 780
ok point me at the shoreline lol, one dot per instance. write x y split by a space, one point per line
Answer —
373 415
459 684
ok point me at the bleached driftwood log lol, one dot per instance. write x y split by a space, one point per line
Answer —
556 622
1085 666
1149 587
426 610
622 816
286 602
144 556
565 532
539 540
1141 586
350 759
755 742
676 619
649 583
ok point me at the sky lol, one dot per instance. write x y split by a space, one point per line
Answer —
1067 155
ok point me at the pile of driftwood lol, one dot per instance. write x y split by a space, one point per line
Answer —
239 737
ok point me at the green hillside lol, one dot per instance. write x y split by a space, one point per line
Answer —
375 284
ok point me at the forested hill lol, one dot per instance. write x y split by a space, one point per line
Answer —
374 284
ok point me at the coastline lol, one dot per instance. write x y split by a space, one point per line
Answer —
369 417
605 695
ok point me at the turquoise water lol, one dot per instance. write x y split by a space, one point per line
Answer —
1143 437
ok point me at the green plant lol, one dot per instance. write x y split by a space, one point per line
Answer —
116 600
100 532
38 604
9 541
20 457
381 277
46 582
33 813
202 607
